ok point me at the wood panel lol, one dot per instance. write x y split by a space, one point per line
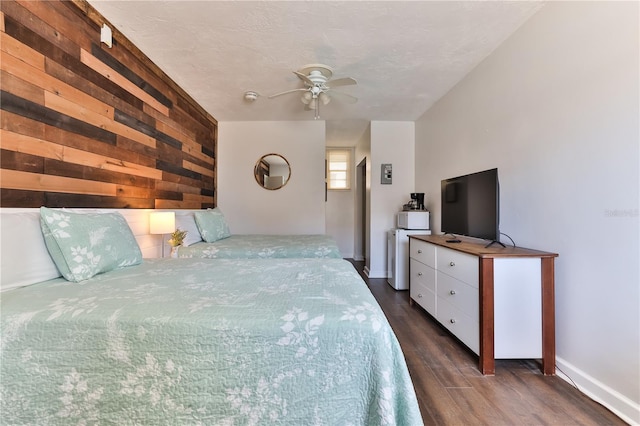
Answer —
83 125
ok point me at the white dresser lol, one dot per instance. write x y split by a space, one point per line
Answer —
497 301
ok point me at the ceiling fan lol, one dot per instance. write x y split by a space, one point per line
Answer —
319 87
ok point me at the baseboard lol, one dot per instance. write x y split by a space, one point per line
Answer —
620 405
358 258
375 274
366 271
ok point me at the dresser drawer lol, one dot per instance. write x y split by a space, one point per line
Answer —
423 274
459 294
461 325
458 265
424 252
423 297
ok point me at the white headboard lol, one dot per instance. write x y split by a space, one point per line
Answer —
24 257
138 220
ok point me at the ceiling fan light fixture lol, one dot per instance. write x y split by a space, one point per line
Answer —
324 98
306 98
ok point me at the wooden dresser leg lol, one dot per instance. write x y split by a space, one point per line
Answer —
487 350
548 317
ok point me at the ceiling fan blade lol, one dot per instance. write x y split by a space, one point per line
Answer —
343 97
304 78
346 81
285 92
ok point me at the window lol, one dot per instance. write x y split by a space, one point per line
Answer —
338 168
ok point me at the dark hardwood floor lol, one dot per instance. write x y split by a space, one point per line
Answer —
451 390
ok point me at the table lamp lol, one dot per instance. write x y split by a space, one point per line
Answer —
162 223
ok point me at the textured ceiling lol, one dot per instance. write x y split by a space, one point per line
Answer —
404 55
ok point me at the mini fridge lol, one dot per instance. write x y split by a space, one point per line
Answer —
398 256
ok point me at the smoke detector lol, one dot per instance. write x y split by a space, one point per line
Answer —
250 96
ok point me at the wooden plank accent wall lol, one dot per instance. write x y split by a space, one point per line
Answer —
84 125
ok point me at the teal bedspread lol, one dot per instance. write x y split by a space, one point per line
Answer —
265 246
204 342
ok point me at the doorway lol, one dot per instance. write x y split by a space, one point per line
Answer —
361 212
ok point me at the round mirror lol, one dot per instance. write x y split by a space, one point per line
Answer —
272 171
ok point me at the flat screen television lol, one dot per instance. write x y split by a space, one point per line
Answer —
471 205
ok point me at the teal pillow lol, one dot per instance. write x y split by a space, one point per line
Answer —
86 244
212 225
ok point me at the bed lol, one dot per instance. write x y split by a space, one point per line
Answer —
204 341
264 246
195 341
209 236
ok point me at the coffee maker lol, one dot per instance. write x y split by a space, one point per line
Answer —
416 203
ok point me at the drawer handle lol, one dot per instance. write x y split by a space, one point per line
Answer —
452 320
419 274
419 251
452 292
419 295
452 263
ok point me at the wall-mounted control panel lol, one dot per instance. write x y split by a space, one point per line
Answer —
385 174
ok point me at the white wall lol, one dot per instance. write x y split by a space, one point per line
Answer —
391 142
556 109
298 207
340 211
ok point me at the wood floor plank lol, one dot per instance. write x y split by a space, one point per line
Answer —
482 408
509 391
436 404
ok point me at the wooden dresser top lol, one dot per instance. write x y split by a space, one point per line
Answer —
478 248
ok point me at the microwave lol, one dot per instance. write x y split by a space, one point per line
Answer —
413 220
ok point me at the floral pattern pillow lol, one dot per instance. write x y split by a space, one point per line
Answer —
86 244
212 225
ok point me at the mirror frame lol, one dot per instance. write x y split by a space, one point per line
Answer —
259 169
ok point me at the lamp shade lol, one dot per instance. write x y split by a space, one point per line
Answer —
162 222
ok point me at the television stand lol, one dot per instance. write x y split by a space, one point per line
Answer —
495 242
498 301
